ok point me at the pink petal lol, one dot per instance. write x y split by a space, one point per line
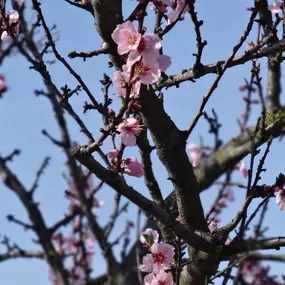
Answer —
280 200
164 61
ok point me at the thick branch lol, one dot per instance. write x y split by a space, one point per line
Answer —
195 238
274 59
240 246
191 74
35 216
21 254
237 148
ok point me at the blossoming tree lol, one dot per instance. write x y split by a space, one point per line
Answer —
181 241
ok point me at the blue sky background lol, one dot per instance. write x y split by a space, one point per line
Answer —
23 116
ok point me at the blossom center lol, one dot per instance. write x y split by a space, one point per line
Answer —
159 258
132 40
142 69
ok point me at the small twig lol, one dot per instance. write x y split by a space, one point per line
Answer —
220 74
26 226
87 6
219 274
88 54
39 174
12 155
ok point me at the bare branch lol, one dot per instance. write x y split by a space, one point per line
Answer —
21 254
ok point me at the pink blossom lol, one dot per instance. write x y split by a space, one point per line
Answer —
280 200
153 234
228 241
195 155
52 277
158 5
163 256
132 167
5 36
179 219
126 37
128 131
147 279
2 83
242 169
253 272
71 244
77 276
162 278
178 6
58 243
275 8
148 73
121 80
112 155
90 242
164 61
12 18
148 49
72 193
148 262
249 9
213 226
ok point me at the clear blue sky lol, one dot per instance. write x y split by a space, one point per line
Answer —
23 116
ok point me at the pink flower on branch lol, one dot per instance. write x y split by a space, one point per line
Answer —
147 73
179 6
126 37
132 167
148 262
243 169
128 131
163 255
148 48
280 200
162 278
164 61
112 155
276 7
3 86
213 226
121 81
149 236
12 19
196 154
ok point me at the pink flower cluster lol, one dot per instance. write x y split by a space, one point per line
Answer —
253 272
225 197
90 191
128 129
11 24
275 7
243 169
159 259
179 7
144 61
130 166
79 252
279 187
213 226
197 154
